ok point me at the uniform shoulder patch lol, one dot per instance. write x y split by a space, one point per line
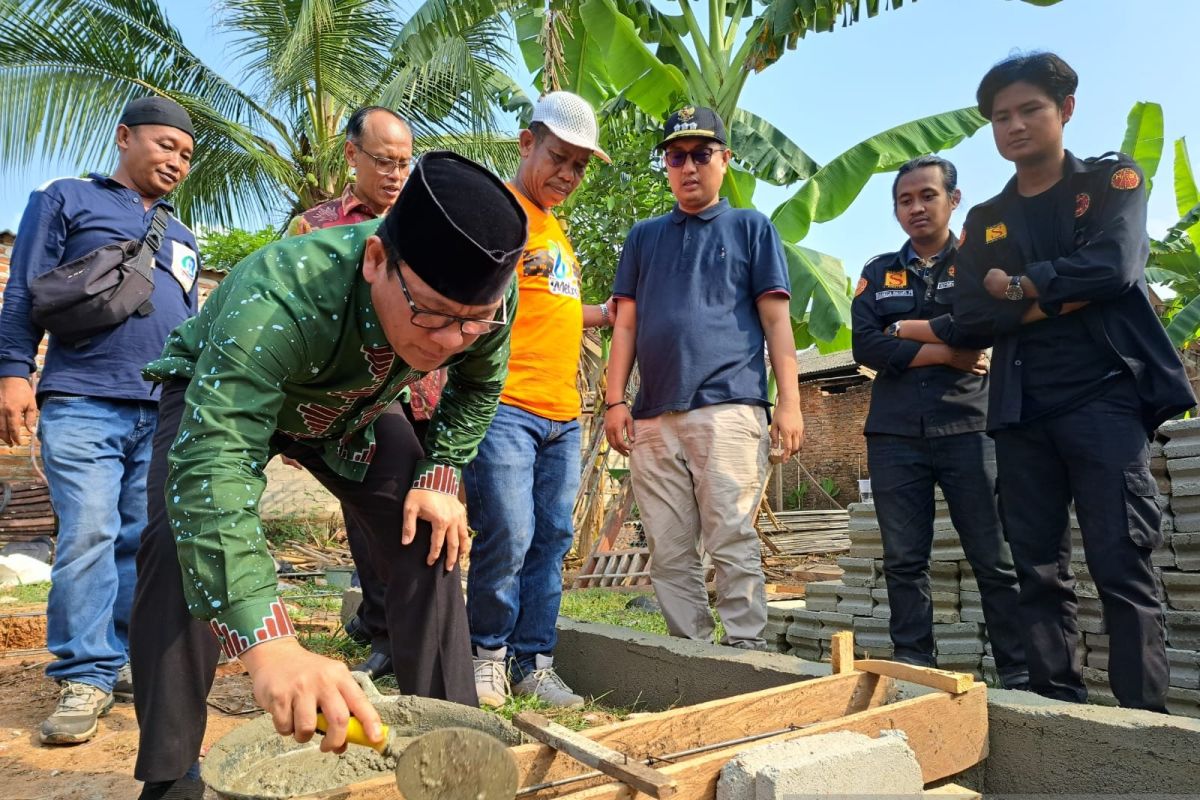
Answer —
962 236
1126 178
995 233
862 287
1083 201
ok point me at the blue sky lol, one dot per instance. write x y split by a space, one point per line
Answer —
837 89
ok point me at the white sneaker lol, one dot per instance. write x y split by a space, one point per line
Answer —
491 677
545 684
80 705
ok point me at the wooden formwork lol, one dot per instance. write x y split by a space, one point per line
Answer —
947 730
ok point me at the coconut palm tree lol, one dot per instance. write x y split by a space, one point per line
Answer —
268 144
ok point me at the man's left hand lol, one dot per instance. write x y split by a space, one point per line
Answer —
787 429
996 282
446 515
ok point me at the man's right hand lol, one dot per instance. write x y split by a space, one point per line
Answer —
17 409
976 362
618 427
292 685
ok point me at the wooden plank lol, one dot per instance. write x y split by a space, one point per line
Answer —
595 755
953 682
786 588
952 790
843 652
687 727
948 734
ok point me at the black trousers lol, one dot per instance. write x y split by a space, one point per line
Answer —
1097 455
174 655
904 470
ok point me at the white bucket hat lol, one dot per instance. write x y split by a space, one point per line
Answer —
570 118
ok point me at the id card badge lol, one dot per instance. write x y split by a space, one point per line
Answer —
184 265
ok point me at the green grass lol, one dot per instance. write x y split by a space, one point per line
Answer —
335 645
601 605
308 530
574 718
27 593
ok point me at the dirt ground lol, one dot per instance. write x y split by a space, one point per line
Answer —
101 769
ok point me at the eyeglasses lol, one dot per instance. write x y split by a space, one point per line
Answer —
385 166
436 320
700 157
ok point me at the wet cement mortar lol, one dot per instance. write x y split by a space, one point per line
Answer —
255 763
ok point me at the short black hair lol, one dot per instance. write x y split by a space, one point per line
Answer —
354 126
949 172
1044 70
539 131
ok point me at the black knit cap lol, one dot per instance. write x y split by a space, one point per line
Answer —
458 227
157 111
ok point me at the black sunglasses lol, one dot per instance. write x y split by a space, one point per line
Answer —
700 157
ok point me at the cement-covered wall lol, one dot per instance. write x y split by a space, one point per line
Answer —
1037 746
652 672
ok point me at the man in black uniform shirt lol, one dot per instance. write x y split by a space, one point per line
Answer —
927 420
1054 268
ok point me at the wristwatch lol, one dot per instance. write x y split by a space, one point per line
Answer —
893 329
1015 291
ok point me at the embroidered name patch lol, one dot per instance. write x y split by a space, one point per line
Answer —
995 233
1126 178
895 279
946 284
893 293
1083 202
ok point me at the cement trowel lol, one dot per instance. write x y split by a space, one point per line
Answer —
444 764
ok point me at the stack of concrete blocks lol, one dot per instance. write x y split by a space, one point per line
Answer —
858 602
1175 464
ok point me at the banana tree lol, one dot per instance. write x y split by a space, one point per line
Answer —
270 145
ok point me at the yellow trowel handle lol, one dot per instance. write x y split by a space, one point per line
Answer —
354 733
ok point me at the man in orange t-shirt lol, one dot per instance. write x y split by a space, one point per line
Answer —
521 487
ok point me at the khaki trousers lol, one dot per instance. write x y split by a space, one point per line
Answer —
697 477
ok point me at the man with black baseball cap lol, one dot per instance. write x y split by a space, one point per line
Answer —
298 352
97 412
700 290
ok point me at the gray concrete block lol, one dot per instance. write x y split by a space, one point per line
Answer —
882 610
855 600
1182 590
960 662
1183 629
871 637
866 543
970 606
1090 616
820 625
1084 585
809 650
1186 546
1164 557
1183 702
1099 692
946 546
1095 650
841 763
1185 668
1185 476
945 607
782 610
821 595
1183 438
943 577
858 571
351 600
1186 511
958 638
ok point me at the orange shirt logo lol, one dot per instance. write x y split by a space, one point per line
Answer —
895 280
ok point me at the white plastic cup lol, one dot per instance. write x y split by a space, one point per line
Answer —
864 490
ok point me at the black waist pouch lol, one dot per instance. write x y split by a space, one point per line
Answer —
100 290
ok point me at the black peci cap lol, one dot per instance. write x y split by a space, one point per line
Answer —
693 121
157 111
458 227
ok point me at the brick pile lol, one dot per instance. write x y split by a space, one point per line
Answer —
858 601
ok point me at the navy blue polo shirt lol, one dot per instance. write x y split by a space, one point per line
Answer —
696 279
64 220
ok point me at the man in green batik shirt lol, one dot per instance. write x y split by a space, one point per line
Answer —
300 351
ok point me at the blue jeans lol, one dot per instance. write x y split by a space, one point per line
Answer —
95 453
520 497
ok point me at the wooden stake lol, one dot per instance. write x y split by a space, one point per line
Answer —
843 652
